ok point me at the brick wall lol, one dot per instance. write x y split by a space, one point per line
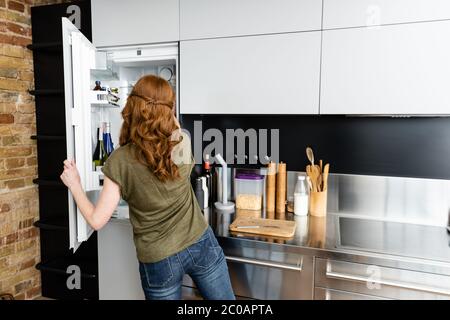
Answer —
19 240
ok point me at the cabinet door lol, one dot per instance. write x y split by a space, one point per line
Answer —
396 69
79 58
357 13
118 267
116 22
224 18
271 74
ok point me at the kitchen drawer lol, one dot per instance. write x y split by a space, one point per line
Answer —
380 281
331 294
272 275
262 279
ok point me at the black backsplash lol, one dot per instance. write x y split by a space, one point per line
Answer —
384 146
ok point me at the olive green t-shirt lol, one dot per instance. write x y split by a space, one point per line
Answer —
165 216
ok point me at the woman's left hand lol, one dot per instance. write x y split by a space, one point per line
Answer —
70 175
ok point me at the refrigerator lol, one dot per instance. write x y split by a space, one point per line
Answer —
86 109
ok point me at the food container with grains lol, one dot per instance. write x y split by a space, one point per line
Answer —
249 188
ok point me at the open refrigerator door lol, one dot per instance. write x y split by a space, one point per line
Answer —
79 58
97 84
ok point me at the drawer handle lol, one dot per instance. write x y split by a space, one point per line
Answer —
267 263
396 284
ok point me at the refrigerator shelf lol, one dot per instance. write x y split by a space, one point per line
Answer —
103 75
103 99
105 105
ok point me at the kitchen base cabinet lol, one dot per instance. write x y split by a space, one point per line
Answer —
118 267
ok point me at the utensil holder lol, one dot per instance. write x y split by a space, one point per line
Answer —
318 203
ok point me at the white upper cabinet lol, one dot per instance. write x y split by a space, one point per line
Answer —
395 69
270 74
359 13
117 22
226 18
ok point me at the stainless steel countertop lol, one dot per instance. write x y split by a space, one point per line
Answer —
346 236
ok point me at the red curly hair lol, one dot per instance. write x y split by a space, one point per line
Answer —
149 122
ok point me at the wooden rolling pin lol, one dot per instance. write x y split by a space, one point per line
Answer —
280 205
270 187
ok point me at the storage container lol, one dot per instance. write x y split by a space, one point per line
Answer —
249 188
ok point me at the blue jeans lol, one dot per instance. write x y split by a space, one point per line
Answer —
203 261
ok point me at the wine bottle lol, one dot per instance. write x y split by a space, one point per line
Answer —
107 140
96 154
100 154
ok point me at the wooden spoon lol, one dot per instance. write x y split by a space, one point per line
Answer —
326 171
314 175
310 155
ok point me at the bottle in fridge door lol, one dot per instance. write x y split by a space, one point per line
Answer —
107 139
100 154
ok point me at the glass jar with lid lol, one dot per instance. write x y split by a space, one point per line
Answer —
249 188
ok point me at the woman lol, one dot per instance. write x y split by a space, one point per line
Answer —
149 170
